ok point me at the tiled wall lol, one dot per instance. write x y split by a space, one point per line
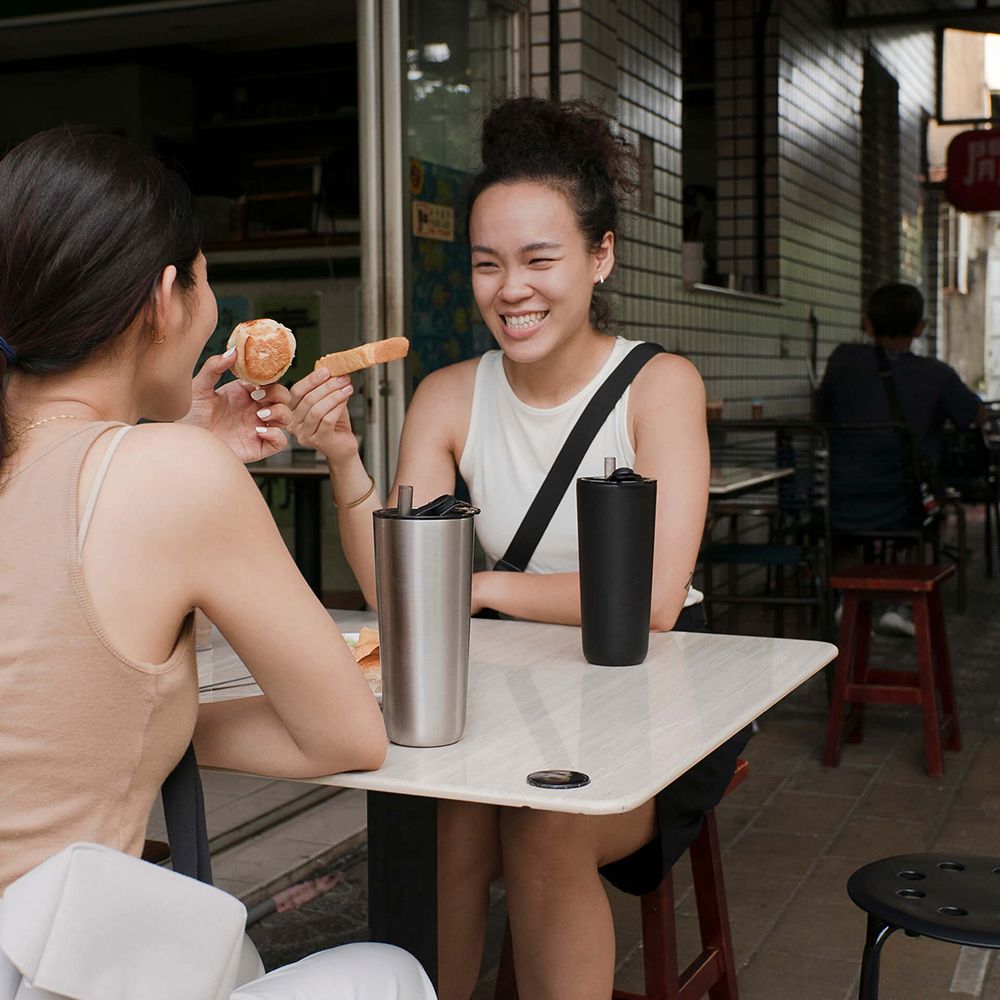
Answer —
626 56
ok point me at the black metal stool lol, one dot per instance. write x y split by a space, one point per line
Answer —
949 897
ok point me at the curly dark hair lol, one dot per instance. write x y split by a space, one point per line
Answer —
570 147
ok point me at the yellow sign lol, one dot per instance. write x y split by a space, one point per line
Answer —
433 222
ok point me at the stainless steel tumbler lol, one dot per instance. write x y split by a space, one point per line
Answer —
616 518
423 580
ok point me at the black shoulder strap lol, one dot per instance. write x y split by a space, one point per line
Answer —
184 813
889 384
553 489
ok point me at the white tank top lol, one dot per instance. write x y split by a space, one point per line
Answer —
511 447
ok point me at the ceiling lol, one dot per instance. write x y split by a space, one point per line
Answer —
74 28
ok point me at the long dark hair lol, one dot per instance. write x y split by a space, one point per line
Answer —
570 147
88 222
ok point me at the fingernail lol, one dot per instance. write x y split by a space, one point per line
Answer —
263 414
261 430
324 374
230 352
343 380
258 394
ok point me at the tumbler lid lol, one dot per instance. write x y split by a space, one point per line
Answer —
620 477
444 506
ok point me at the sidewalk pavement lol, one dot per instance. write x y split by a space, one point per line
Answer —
792 834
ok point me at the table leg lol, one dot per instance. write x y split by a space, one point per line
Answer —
402 874
308 532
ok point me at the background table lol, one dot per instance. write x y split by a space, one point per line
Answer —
534 704
731 481
305 481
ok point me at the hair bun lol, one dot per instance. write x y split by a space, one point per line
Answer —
531 136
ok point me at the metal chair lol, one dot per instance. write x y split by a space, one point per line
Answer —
948 897
783 530
876 506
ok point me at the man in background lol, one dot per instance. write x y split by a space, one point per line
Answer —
873 484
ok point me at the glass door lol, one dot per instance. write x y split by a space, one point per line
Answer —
430 69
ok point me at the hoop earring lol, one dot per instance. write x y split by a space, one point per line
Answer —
162 340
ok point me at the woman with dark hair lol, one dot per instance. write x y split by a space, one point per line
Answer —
543 224
113 533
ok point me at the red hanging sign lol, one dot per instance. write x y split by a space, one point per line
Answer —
974 171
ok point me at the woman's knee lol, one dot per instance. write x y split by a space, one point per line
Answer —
364 971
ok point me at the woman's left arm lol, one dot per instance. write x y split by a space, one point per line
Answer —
667 420
667 424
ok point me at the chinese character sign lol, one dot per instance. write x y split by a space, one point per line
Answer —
974 171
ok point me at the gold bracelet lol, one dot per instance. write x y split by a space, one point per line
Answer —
354 503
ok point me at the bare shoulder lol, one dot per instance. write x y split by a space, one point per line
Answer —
177 473
667 381
451 386
443 401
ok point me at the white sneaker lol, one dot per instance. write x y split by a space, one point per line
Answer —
897 620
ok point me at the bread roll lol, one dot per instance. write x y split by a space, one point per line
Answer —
378 352
264 351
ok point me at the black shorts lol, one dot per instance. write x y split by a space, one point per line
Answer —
681 806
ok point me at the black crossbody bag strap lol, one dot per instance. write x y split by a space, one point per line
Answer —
553 489
184 814
896 411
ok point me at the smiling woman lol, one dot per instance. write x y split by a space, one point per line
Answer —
543 228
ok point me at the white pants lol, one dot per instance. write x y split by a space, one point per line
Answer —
352 972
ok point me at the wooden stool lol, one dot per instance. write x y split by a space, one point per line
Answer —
714 970
853 682
947 897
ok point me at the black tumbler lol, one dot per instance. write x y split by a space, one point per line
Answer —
616 518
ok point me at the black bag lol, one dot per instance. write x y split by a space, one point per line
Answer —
926 503
553 489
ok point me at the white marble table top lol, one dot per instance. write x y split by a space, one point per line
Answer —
536 704
730 480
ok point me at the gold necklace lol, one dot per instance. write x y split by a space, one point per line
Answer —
48 420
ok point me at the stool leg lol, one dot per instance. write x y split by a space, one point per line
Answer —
942 670
928 687
877 934
713 914
842 672
659 940
859 675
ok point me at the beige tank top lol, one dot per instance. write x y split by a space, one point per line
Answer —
87 735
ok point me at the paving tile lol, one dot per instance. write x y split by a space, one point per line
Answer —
916 967
823 928
332 821
779 975
775 852
758 787
971 831
848 780
732 821
260 857
915 803
866 838
804 812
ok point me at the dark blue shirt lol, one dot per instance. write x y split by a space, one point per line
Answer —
869 490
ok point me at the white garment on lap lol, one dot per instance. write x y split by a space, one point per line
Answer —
363 971
351 972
